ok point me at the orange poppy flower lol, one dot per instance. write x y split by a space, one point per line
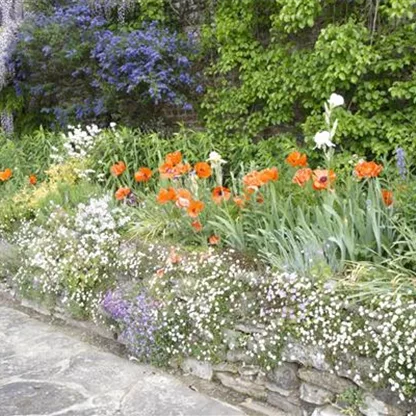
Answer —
6 175
195 208
33 180
220 193
122 193
174 257
368 169
203 170
182 168
239 201
166 195
322 179
160 272
214 240
387 197
167 171
302 176
174 158
143 175
297 159
252 180
118 168
183 198
197 226
267 175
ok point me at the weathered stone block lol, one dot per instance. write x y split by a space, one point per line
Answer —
248 370
261 408
250 329
285 377
315 395
197 368
325 380
226 368
239 355
231 338
308 356
327 411
291 405
374 407
273 387
242 386
355 369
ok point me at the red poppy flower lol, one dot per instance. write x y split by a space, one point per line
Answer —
214 240
302 176
174 158
297 159
220 193
33 180
143 175
203 170
183 198
322 179
118 168
195 208
122 193
368 169
197 226
6 175
166 195
387 197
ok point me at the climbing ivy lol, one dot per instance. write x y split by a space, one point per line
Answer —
276 61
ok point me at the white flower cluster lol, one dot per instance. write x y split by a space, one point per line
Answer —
206 296
77 143
384 332
202 295
73 256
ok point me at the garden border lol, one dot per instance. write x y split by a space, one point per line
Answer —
304 384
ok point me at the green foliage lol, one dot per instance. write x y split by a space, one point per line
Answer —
278 61
148 148
351 400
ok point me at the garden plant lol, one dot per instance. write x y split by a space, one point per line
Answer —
288 208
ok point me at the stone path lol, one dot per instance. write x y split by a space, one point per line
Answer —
44 371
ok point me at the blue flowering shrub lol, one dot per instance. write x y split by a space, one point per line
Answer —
79 64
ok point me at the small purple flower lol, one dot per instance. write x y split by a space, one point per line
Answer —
401 162
137 319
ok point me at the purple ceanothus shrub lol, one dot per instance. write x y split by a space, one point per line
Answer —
150 61
137 319
77 63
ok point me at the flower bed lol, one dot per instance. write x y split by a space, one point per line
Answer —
292 283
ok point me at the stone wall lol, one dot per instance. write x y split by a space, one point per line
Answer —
304 384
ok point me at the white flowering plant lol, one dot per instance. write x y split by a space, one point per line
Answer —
73 256
204 298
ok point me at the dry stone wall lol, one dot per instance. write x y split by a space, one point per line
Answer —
304 383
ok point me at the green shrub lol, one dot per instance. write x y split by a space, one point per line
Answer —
276 62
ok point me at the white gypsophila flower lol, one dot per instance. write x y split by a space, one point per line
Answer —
336 100
323 140
215 157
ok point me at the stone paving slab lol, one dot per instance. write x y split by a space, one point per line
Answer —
46 372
